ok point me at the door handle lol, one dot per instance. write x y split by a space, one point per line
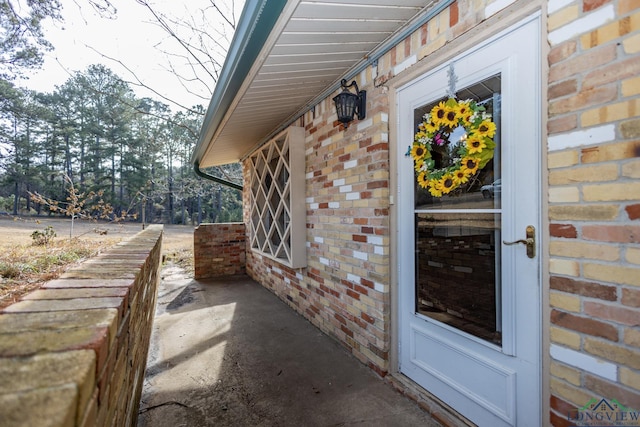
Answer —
529 242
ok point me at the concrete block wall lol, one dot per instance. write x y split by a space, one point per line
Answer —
74 352
219 249
594 203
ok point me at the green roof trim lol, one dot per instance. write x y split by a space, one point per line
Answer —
256 24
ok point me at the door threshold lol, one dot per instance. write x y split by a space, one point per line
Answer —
440 411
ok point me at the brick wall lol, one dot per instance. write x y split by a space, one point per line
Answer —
219 249
345 289
594 193
74 352
593 199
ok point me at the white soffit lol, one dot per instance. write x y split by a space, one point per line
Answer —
317 44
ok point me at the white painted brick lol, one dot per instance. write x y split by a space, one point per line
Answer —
405 64
375 240
353 196
363 77
308 244
287 280
326 142
384 117
318 239
583 25
334 205
353 278
365 124
346 189
338 182
379 250
579 138
309 175
309 151
379 287
314 206
585 362
361 255
300 277
496 7
309 199
350 164
556 5
384 137
323 261
277 270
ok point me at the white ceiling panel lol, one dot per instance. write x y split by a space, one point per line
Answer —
319 42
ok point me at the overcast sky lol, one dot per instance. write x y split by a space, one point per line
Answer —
132 37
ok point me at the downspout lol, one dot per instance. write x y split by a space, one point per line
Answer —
201 174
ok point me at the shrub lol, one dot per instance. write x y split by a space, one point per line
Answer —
44 237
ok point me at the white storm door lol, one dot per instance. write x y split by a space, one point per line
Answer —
469 304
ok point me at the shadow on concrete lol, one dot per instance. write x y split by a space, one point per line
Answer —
227 352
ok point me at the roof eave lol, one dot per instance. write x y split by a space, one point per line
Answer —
256 24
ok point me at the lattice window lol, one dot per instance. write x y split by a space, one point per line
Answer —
278 213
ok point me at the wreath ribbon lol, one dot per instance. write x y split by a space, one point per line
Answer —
435 131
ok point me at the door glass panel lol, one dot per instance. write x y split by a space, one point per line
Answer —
484 189
457 271
458 266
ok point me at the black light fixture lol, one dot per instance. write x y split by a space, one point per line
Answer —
348 104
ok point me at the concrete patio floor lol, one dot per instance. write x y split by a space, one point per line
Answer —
227 352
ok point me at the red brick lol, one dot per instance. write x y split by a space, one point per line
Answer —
592 59
561 420
562 52
561 406
346 330
633 211
589 5
586 289
585 325
353 294
612 73
367 283
359 238
631 297
361 290
612 233
377 184
602 387
584 99
368 318
563 88
625 316
562 124
563 230
454 14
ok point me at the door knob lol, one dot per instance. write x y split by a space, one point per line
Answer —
529 242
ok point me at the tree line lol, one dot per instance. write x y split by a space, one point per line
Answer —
93 132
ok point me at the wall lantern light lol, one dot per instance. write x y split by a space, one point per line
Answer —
348 104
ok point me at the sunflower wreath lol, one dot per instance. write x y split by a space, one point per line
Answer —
473 154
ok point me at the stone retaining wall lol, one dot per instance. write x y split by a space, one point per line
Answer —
219 249
74 352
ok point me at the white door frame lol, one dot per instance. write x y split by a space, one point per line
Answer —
509 231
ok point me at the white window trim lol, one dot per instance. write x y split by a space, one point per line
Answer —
277 218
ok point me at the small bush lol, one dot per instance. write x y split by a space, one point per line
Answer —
9 271
41 238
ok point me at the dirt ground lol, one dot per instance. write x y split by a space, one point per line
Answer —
15 237
17 231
